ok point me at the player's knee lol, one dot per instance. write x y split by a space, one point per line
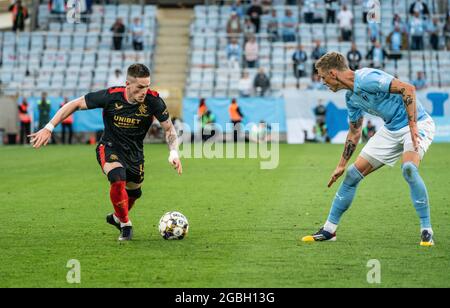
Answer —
134 193
409 170
353 176
117 175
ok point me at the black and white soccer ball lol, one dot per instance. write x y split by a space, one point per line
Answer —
173 226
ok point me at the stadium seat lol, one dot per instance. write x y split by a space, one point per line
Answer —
54 27
79 42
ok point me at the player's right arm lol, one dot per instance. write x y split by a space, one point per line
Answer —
42 137
353 137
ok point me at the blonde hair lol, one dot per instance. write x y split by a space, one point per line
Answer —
332 60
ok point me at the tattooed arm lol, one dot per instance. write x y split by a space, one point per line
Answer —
172 142
171 135
408 93
354 134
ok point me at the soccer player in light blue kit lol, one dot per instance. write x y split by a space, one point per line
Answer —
407 133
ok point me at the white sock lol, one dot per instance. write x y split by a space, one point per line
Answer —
330 227
116 220
126 224
428 229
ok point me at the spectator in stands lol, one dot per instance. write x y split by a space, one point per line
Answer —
89 4
299 58
417 27
272 26
251 51
238 8
397 40
44 110
320 112
316 83
25 121
67 125
316 54
267 4
332 6
234 53
420 8
447 33
249 29
255 11
58 8
137 32
236 117
367 6
234 25
245 85
321 133
118 29
397 21
202 108
368 131
260 132
261 83
345 18
208 119
309 7
434 29
376 56
374 31
448 8
420 82
289 24
19 14
354 57
117 79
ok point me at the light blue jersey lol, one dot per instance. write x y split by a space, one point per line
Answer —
371 94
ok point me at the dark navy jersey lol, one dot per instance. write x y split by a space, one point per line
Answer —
126 124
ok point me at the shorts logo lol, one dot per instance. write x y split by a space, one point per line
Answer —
113 157
118 107
142 111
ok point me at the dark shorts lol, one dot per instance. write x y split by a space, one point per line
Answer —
134 171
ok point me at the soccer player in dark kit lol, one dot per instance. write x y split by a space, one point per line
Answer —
127 115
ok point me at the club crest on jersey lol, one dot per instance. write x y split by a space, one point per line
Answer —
113 157
118 106
142 111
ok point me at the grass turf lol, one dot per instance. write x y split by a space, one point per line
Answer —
245 223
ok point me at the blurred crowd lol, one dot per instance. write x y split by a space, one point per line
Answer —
245 20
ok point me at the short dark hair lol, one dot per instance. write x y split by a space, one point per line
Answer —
138 70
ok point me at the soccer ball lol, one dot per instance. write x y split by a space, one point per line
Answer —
173 226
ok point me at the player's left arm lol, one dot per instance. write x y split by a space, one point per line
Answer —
172 142
408 93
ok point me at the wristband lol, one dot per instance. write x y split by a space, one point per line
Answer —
173 155
49 127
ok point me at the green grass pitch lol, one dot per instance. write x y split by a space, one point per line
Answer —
245 223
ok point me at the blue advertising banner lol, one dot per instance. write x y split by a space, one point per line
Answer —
254 109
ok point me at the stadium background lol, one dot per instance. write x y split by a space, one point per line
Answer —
186 46
245 223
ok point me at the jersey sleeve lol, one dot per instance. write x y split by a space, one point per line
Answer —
161 112
376 81
354 113
97 99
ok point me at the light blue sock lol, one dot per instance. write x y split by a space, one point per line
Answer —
419 194
345 194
